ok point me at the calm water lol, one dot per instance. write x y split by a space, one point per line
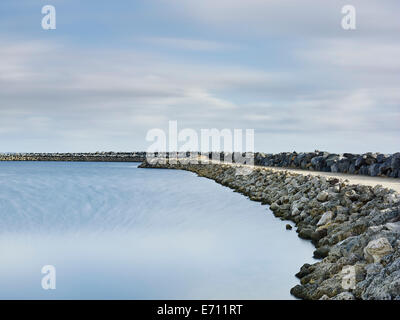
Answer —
114 231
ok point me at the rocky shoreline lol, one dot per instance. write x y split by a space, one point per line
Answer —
369 164
355 228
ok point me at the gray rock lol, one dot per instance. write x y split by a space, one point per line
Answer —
306 233
323 196
395 164
299 292
393 226
374 169
344 296
377 249
321 252
326 218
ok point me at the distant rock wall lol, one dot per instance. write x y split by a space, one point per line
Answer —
370 164
85 157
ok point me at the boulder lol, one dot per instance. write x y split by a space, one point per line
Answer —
352 168
274 206
323 196
305 270
317 162
352 195
306 233
340 218
370 158
393 226
385 167
326 218
321 252
334 168
318 235
330 159
344 296
299 292
377 249
360 161
381 158
295 211
395 164
344 165
374 169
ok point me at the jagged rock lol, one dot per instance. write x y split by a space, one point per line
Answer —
344 296
318 235
321 252
295 211
395 163
306 233
377 249
340 218
326 218
323 196
393 226
374 169
299 292
352 195
274 206
305 270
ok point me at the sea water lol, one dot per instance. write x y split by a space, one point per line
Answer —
115 231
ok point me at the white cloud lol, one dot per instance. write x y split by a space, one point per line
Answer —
188 44
323 85
88 101
359 54
288 17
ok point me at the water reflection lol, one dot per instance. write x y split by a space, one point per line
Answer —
114 231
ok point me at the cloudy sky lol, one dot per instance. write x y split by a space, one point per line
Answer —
112 70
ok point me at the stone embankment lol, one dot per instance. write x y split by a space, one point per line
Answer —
91 157
370 164
355 228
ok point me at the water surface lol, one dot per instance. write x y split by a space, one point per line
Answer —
114 231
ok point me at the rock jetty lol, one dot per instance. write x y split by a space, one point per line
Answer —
92 157
355 228
369 164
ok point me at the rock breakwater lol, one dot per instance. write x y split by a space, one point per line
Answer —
355 228
91 157
370 164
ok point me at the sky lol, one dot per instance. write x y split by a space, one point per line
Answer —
113 70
